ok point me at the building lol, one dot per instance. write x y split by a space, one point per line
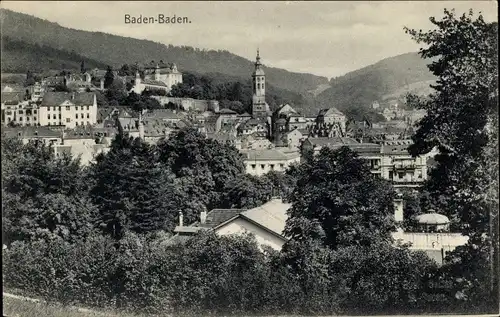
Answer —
27 134
260 162
68 109
189 104
266 223
398 166
332 117
389 159
294 139
159 77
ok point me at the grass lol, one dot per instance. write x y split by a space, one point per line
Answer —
17 307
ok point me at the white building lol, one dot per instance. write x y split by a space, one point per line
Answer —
260 162
266 223
158 78
68 109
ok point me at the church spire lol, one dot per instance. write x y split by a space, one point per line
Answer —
257 59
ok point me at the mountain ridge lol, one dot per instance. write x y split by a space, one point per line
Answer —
117 50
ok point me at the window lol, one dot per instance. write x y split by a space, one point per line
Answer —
34 118
48 116
76 108
76 123
59 108
76 116
88 122
282 165
88 116
20 112
262 166
54 108
258 86
262 85
34 111
401 175
27 118
272 166
83 123
67 107
54 116
20 118
88 107
59 116
68 120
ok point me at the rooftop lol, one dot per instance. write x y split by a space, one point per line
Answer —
53 98
265 155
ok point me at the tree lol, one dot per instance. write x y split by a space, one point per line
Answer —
131 188
461 122
82 67
43 196
210 164
245 192
353 206
109 77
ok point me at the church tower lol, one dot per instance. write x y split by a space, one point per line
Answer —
259 106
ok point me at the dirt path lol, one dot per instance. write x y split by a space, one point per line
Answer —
34 300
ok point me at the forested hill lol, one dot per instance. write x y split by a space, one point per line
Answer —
117 50
19 56
389 79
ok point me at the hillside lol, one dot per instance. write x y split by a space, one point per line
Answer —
386 80
118 50
19 56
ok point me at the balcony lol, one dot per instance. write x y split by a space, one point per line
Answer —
404 166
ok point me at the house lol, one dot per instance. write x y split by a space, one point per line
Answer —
294 139
21 113
400 167
68 109
157 77
388 159
266 223
254 127
332 116
296 121
225 138
285 110
250 143
85 142
260 162
27 134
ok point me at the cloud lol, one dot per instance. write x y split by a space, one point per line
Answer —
325 38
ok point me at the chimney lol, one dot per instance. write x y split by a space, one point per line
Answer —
181 219
203 216
141 127
398 209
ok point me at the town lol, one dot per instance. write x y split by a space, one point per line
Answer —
176 191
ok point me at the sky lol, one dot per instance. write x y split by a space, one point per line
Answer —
322 38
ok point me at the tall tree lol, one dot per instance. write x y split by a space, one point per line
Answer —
131 189
211 165
461 122
353 206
